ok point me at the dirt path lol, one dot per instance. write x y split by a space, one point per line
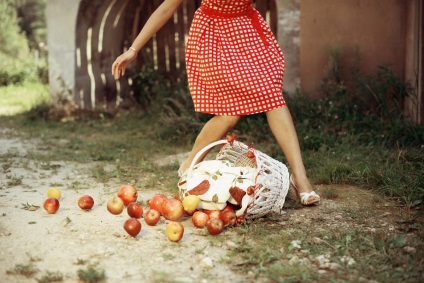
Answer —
73 240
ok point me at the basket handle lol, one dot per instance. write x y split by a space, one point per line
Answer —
200 153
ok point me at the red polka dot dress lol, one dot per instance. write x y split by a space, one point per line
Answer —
234 63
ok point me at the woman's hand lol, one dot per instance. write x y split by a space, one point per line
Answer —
156 21
121 63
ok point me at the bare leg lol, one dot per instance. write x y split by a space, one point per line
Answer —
282 127
212 131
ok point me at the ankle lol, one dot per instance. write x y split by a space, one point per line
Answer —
302 183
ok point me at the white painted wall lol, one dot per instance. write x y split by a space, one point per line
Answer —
61 24
289 40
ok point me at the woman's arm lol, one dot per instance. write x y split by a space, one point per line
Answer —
156 21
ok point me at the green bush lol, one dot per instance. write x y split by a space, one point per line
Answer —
16 70
17 63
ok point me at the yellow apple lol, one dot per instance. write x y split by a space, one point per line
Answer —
174 231
54 193
190 203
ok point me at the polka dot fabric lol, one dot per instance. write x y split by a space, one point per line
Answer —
234 63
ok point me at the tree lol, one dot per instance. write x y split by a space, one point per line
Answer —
12 41
16 61
32 22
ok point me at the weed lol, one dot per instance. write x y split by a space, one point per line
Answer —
163 277
14 180
76 186
101 174
168 256
50 277
80 261
6 166
49 166
329 193
91 274
67 221
27 270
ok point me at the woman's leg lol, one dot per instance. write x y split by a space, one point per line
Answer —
281 124
212 131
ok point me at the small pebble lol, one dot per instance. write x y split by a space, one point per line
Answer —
409 250
294 260
206 263
230 244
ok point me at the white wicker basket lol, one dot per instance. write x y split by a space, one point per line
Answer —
272 179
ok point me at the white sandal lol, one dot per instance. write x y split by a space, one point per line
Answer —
304 197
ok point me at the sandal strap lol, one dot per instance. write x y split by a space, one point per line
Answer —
304 197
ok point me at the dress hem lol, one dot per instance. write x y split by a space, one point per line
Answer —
244 114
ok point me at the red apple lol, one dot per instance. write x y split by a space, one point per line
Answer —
199 219
128 193
172 209
240 220
86 202
174 231
152 217
214 213
115 205
156 202
215 226
51 205
132 226
177 196
228 218
135 210
228 207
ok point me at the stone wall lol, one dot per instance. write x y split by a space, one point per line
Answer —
61 23
289 39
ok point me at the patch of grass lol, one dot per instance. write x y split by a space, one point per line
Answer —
14 180
21 98
50 277
288 273
76 186
329 193
91 274
100 173
168 256
6 166
266 249
163 277
80 261
372 167
27 270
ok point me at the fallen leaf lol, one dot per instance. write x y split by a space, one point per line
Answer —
29 207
